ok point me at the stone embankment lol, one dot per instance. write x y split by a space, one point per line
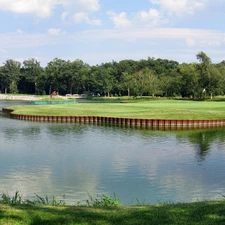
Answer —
17 97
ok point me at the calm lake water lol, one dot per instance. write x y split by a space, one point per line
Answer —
69 161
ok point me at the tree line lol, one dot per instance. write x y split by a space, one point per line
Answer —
150 77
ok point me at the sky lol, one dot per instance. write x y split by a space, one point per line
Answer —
98 31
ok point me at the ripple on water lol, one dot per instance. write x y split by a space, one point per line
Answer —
73 160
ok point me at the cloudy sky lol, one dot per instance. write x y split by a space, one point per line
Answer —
98 31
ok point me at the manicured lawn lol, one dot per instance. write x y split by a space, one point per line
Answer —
152 109
204 213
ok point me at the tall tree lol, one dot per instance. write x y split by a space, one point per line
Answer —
11 71
145 81
74 74
3 80
54 75
189 80
204 68
32 70
166 83
151 82
104 80
126 82
139 79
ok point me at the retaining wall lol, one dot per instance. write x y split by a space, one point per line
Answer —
128 122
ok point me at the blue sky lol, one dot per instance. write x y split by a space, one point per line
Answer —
98 31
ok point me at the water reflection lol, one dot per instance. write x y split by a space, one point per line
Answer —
75 159
203 140
65 129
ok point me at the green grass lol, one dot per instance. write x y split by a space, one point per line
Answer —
204 213
152 109
55 98
107 210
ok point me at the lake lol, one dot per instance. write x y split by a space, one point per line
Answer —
71 161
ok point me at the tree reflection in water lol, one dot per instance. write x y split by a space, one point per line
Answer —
202 140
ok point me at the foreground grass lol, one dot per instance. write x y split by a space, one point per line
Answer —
153 109
173 214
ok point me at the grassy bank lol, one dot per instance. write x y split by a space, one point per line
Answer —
165 214
154 109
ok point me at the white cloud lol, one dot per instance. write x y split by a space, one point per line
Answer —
64 16
19 31
179 7
83 17
211 43
3 50
41 8
80 17
223 38
95 22
198 36
153 17
190 42
54 31
82 5
120 20
12 40
44 8
174 40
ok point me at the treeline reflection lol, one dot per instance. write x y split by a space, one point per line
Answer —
202 140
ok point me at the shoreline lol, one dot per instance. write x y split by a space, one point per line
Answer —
69 115
126 122
206 212
17 97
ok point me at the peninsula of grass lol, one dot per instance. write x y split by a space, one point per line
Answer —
148 109
200 213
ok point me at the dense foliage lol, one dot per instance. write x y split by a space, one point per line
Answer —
151 77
